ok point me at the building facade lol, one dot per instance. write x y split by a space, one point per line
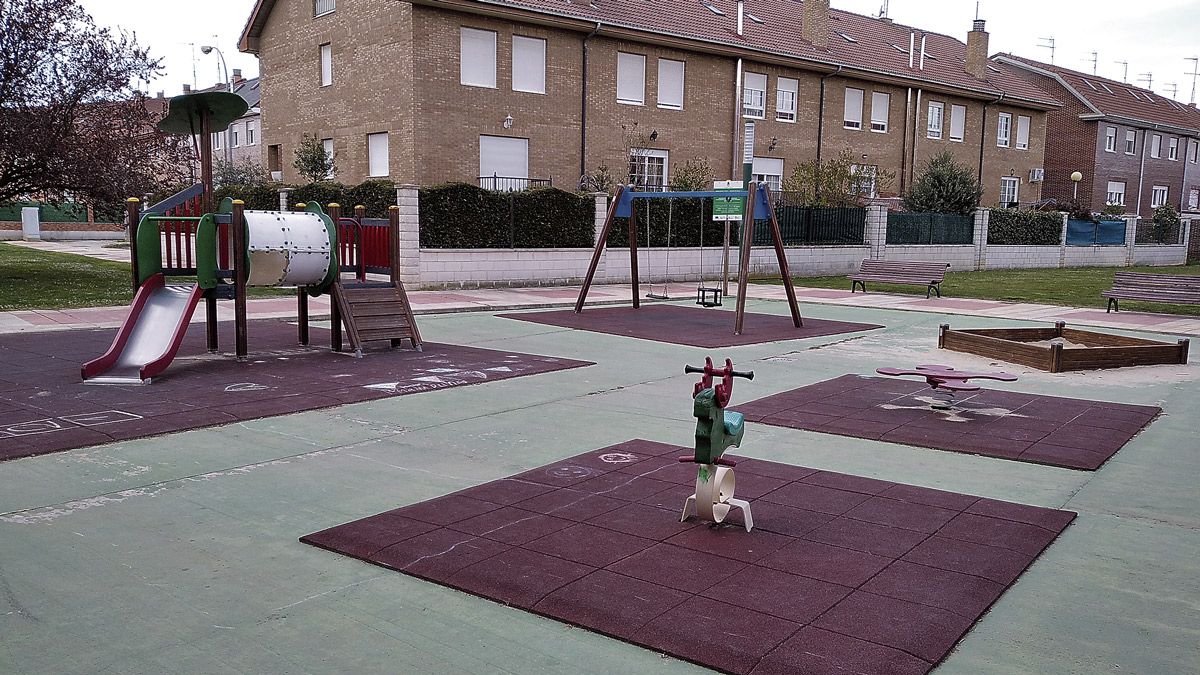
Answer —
241 142
1136 150
434 91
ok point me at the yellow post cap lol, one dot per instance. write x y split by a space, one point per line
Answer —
238 202
334 205
301 205
133 200
393 207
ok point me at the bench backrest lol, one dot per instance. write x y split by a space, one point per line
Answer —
925 271
1169 283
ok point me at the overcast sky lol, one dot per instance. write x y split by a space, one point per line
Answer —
1153 38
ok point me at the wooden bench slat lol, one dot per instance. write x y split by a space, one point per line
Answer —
1148 287
907 272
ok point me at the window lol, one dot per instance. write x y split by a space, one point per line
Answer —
529 65
864 179
327 143
1022 132
1156 146
377 154
1172 149
216 140
233 132
648 168
1130 142
854 107
1110 139
1116 194
275 160
754 96
935 120
1158 196
503 157
326 64
785 99
477 57
1194 199
958 122
670 84
768 170
1195 149
249 133
1010 188
631 79
1003 130
880 102
321 7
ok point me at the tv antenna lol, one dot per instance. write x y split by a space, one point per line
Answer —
1125 73
883 11
1195 62
1173 88
1095 60
1047 43
1148 78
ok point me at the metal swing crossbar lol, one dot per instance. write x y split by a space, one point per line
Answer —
622 207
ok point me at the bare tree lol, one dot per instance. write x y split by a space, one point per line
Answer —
72 125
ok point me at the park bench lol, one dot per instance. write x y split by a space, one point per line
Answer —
914 273
1166 288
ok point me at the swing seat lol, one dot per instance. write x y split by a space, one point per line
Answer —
708 296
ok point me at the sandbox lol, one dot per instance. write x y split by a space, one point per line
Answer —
1060 348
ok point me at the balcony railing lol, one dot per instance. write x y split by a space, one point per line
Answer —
323 6
513 184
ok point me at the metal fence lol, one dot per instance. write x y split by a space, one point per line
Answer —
802 226
930 228
1150 232
1089 233
512 183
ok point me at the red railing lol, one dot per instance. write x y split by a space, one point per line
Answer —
363 246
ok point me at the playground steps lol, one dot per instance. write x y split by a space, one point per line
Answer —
376 312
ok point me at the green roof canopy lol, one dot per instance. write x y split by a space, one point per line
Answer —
184 112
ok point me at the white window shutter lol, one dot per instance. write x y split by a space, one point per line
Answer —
477 57
958 122
377 154
1022 132
529 65
880 103
326 65
503 156
631 78
853 109
670 84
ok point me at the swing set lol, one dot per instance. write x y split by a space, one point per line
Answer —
706 295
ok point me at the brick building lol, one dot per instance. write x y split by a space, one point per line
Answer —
1135 149
428 91
242 138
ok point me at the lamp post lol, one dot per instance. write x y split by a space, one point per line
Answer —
1075 178
208 49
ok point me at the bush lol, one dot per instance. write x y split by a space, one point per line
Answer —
945 186
683 217
260 197
460 215
1010 227
322 192
376 195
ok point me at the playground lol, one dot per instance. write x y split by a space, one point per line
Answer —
736 484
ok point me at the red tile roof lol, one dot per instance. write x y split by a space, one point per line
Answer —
1117 99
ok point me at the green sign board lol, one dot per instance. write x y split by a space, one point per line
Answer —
728 208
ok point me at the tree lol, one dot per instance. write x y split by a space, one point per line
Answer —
945 186
71 123
312 161
244 172
694 174
836 182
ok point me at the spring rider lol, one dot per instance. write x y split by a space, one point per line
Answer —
716 431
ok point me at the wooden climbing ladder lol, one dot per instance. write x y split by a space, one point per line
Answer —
370 310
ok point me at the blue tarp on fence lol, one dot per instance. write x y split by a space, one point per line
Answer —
1103 233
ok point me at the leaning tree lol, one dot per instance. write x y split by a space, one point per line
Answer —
72 123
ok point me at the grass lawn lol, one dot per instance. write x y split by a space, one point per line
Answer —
32 279
1075 287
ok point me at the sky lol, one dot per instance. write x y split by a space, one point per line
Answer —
1153 39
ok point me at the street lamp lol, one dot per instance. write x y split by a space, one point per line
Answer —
206 50
1075 178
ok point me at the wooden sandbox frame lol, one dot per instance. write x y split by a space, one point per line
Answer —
1101 350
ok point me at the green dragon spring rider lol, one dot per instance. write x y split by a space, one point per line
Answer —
716 432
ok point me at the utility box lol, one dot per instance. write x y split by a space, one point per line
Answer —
31 224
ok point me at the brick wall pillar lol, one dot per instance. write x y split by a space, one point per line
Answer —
600 215
1130 238
284 204
875 232
1062 242
410 234
982 216
1186 225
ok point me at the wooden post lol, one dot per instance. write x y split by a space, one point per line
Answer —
633 261
601 241
942 335
237 226
1183 351
777 237
739 314
132 218
1056 350
393 241
206 169
210 320
1058 328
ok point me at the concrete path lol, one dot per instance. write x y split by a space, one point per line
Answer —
179 554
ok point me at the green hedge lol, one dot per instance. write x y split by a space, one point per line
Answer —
1010 227
685 217
460 215
67 212
263 197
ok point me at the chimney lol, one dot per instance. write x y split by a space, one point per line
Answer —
816 23
160 94
187 88
237 75
977 51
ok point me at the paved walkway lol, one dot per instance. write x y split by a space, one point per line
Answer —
499 299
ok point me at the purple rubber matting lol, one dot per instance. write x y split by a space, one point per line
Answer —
1066 432
693 326
841 574
44 407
